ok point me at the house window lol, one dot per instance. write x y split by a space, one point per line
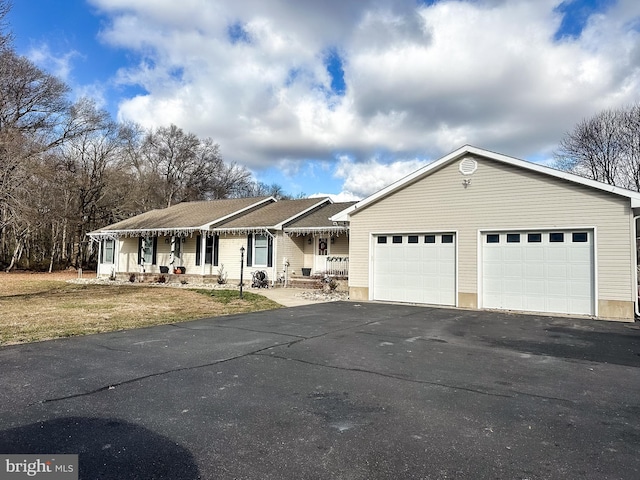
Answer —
260 250
429 239
108 249
534 237
447 239
513 238
397 239
147 249
413 239
177 243
382 239
580 237
556 237
493 238
210 250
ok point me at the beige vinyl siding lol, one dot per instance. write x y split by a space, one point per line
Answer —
294 253
500 197
229 254
339 247
128 255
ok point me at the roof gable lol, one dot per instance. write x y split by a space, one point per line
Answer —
272 216
458 154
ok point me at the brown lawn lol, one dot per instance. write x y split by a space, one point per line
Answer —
41 306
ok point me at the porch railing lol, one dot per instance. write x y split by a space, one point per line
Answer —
338 266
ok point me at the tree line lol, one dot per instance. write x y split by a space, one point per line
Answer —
67 168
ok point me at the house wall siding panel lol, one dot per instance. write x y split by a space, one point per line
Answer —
501 197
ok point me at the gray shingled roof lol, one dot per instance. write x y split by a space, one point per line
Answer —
187 215
270 215
319 218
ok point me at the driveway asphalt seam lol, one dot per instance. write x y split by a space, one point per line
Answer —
422 382
217 362
156 374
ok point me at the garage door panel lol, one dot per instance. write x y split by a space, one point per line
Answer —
415 272
539 275
556 255
513 270
533 254
512 254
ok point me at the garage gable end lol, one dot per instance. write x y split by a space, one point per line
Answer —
485 196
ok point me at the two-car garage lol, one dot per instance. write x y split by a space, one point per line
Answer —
528 270
477 229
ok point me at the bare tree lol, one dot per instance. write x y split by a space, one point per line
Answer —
33 106
594 148
605 147
174 166
85 161
5 38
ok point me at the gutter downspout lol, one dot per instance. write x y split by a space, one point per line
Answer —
635 267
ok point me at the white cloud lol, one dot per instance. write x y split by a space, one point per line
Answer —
420 81
364 178
58 65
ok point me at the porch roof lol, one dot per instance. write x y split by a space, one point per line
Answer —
183 218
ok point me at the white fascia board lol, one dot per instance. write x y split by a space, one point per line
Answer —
468 149
556 173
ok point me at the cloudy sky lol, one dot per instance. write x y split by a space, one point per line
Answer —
344 96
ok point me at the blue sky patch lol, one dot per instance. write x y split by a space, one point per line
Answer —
238 34
575 15
334 65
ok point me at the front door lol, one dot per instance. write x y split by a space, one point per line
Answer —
321 254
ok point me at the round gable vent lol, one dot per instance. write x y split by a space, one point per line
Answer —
468 166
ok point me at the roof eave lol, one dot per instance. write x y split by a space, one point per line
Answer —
469 149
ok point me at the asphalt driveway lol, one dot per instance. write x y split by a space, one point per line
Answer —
334 391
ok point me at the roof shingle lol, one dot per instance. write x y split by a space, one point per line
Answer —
185 215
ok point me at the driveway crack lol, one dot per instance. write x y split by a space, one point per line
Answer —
422 382
158 374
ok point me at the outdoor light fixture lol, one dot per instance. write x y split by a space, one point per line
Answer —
309 241
333 240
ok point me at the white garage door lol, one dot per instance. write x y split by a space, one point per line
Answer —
415 268
539 271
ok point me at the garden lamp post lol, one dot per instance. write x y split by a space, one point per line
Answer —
241 268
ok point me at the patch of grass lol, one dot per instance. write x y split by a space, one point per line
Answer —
42 310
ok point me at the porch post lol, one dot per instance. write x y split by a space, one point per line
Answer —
116 254
203 249
99 257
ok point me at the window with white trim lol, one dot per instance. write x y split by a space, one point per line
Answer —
147 249
108 249
260 250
